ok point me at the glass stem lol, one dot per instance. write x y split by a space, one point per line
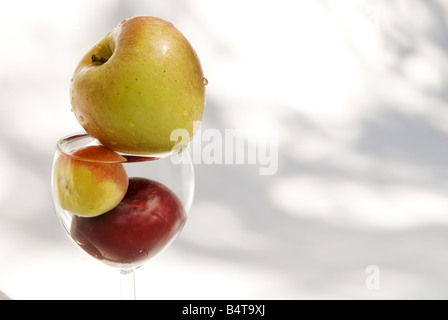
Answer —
127 284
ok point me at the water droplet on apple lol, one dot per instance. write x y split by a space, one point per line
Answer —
81 118
131 123
205 81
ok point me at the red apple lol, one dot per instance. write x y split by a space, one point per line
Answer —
143 223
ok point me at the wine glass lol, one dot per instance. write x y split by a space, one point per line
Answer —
151 214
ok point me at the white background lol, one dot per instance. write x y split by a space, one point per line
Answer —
355 90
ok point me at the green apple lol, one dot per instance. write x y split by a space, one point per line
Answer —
90 181
137 85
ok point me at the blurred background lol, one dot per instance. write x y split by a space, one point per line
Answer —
355 90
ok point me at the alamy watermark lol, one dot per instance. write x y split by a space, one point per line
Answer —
373 279
231 147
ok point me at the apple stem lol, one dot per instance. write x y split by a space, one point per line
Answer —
99 59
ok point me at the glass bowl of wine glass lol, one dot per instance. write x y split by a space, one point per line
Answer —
121 209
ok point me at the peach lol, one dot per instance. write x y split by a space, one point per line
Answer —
90 181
